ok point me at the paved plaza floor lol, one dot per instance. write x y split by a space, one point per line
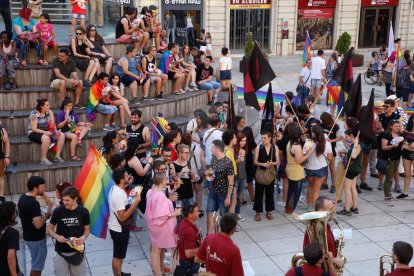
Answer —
267 246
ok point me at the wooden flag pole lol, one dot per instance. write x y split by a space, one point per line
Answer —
293 109
339 189
336 119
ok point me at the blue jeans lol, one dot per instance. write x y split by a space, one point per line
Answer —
294 190
172 32
184 269
240 186
24 45
209 85
38 253
216 202
192 40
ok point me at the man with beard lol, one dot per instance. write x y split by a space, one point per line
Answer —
137 130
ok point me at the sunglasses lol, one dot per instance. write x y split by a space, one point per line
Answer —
93 30
79 33
386 106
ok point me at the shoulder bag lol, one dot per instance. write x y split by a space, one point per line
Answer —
127 223
268 175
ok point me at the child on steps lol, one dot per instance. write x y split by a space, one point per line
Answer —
47 34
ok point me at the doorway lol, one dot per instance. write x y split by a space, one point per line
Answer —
242 22
374 27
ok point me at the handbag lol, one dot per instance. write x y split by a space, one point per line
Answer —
268 175
126 223
382 166
74 259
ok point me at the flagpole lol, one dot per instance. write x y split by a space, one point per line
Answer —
338 195
336 119
293 109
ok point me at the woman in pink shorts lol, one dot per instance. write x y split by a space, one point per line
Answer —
47 34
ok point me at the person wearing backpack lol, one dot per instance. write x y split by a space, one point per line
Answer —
315 257
4 158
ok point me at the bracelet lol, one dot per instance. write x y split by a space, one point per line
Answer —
8 157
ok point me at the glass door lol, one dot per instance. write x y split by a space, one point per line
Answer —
374 27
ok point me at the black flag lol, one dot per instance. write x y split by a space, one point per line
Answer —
258 74
354 101
268 112
366 120
231 114
343 75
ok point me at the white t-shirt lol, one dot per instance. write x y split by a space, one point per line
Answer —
189 22
226 63
316 112
305 73
195 158
318 162
192 125
216 134
318 64
117 201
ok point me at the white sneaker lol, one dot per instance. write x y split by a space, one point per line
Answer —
303 199
240 218
280 203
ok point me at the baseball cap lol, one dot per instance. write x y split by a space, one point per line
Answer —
393 97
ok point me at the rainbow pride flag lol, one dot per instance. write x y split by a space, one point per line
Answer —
409 110
334 91
400 59
94 183
306 50
93 100
261 96
158 132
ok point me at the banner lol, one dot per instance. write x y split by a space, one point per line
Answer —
379 3
310 4
250 4
125 3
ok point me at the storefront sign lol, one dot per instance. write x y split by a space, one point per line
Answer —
319 23
181 3
310 4
379 3
125 3
250 4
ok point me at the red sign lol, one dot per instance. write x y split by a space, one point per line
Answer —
317 13
309 4
250 4
379 3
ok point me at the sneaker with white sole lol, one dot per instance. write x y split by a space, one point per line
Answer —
46 162
280 203
388 202
240 218
59 160
108 128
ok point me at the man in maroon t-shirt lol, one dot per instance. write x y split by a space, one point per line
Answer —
325 204
188 241
402 254
219 253
314 257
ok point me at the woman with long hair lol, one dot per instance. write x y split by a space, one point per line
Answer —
99 50
68 122
250 169
317 167
9 242
265 156
110 145
42 130
187 62
80 50
330 127
391 145
408 155
171 140
295 171
354 156
240 152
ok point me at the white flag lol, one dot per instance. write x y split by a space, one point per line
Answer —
391 47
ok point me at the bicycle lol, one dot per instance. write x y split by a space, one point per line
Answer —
371 76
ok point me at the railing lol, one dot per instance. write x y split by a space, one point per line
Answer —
60 11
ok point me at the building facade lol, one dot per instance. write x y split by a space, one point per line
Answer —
280 25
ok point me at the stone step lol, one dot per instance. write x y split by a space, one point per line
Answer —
16 122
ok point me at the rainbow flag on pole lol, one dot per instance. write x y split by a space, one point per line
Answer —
409 110
94 183
306 50
93 100
400 59
261 96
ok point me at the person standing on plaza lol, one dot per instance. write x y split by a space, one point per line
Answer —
250 169
9 240
4 158
69 224
212 134
305 80
227 259
318 73
240 152
407 156
188 241
34 222
5 10
96 11
120 213
224 69
266 157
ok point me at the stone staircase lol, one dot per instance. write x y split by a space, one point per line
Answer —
59 11
33 83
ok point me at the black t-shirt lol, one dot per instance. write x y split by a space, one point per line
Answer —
9 240
66 69
384 120
282 144
186 189
222 169
391 154
202 73
69 223
29 208
310 121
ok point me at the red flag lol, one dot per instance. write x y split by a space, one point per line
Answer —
354 101
344 75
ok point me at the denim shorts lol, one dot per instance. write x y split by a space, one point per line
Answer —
106 109
38 253
225 75
315 83
317 173
366 148
78 16
209 85
216 202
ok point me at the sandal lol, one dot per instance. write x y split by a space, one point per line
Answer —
40 62
257 217
45 63
269 216
24 63
75 158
